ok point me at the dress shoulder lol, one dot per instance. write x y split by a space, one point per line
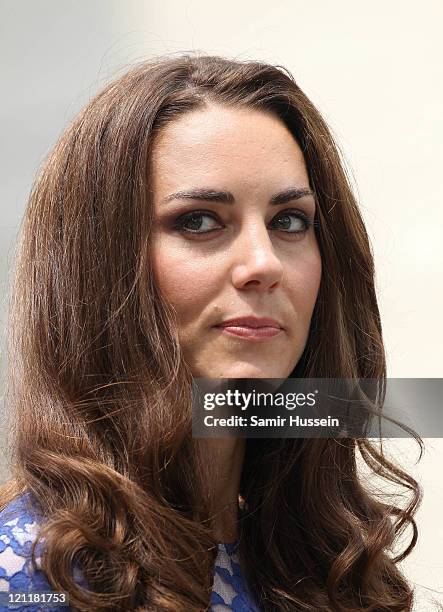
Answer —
229 590
19 525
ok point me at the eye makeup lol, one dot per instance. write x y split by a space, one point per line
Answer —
192 222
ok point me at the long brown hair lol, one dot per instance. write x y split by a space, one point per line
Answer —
102 396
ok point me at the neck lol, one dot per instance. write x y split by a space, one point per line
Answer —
224 460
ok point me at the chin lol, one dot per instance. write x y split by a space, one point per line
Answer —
248 370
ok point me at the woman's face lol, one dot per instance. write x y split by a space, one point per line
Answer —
242 245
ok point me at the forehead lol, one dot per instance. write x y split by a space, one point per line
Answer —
243 147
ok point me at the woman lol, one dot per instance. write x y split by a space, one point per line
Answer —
194 221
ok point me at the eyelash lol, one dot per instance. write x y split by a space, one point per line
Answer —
180 222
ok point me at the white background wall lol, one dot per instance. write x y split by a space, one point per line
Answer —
372 68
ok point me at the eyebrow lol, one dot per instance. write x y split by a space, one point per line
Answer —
226 197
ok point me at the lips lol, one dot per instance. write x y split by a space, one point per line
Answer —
251 328
251 322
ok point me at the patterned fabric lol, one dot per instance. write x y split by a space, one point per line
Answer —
229 591
19 523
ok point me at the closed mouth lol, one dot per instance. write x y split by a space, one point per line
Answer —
251 323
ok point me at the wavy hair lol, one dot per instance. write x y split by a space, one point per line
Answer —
101 395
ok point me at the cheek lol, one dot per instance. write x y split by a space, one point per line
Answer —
185 281
304 284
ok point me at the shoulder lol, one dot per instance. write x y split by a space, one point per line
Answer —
19 525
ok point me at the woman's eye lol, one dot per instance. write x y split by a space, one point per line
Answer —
292 222
197 222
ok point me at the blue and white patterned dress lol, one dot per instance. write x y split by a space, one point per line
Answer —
19 523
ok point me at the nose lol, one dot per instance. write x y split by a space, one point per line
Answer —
256 264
